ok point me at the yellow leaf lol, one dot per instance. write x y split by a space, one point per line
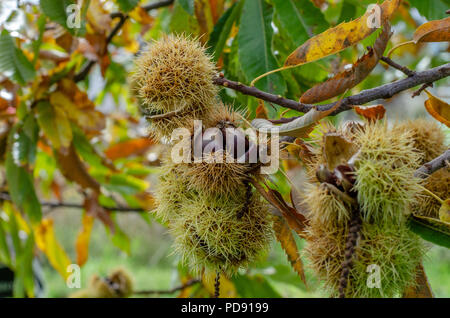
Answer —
47 243
437 108
287 241
82 243
444 211
11 211
226 288
433 31
350 77
78 110
140 15
340 37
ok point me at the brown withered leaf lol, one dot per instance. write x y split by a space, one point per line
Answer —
295 219
128 148
422 288
4 104
433 31
299 149
82 242
337 150
340 37
93 208
146 200
284 236
437 108
351 77
88 51
372 113
204 17
98 17
55 56
74 170
64 39
261 111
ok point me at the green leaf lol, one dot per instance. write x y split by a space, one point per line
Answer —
55 124
119 238
221 31
87 152
24 141
13 63
431 9
5 256
20 182
348 12
301 19
182 22
126 184
255 47
24 279
13 230
430 229
254 286
187 5
127 5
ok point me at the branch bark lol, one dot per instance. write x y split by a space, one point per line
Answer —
434 165
54 205
397 66
382 92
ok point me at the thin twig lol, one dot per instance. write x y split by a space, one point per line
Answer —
397 66
169 291
147 7
123 17
417 93
381 92
433 166
54 205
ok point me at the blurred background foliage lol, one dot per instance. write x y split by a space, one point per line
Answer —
78 167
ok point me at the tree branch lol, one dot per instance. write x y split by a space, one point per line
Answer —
54 205
397 66
434 165
368 95
123 17
169 291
